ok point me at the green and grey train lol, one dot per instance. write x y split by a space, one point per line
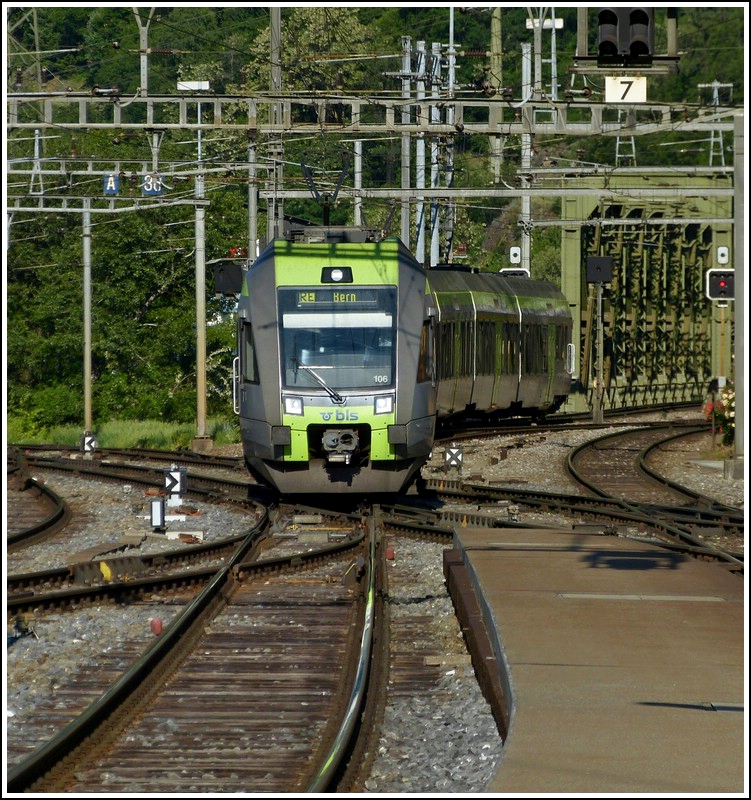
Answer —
349 353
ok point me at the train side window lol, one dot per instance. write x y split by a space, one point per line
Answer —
526 351
486 347
423 363
507 349
248 355
445 347
482 347
537 354
465 367
534 349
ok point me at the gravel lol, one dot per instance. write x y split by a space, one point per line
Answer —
107 513
447 740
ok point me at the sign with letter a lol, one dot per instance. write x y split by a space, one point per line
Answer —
111 183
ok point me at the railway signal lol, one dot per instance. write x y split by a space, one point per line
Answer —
157 514
175 483
625 36
720 284
89 442
453 457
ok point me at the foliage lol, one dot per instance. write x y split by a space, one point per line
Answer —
721 413
143 318
312 35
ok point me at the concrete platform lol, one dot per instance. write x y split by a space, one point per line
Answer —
624 663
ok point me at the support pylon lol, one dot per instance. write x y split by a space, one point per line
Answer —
625 148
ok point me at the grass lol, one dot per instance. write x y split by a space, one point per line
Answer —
721 452
130 433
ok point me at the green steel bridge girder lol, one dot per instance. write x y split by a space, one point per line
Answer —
663 339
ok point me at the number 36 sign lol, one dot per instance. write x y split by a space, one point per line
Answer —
152 185
624 89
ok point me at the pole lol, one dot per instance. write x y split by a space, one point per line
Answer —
200 325
435 233
143 49
450 218
597 417
739 260
199 443
420 158
357 201
723 322
87 415
496 80
252 202
526 159
276 222
537 38
582 48
406 139
553 58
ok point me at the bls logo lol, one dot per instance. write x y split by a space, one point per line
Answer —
340 416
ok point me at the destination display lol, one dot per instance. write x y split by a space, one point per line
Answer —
337 297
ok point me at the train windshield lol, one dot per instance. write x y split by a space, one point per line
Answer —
338 338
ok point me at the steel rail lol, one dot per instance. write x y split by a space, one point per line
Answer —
711 504
23 776
648 513
59 516
323 778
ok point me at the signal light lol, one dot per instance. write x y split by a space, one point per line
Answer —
641 34
608 23
625 36
720 284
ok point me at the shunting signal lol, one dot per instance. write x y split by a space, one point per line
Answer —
720 284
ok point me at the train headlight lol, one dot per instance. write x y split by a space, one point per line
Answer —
384 404
293 405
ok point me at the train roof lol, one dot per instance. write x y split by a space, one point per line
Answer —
467 280
333 234
390 247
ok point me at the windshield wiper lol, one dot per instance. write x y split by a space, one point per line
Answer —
334 395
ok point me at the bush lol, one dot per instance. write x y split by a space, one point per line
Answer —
722 413
47 406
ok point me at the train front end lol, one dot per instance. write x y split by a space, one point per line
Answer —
333 379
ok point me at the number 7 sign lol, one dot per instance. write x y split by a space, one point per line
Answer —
623 89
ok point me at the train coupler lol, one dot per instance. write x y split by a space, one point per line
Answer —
340 444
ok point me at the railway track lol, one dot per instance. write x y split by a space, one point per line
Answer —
39 513
613 469
57 592
100 565
616 465
211 488
618 491
294 602
186 457
261 651
413 673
